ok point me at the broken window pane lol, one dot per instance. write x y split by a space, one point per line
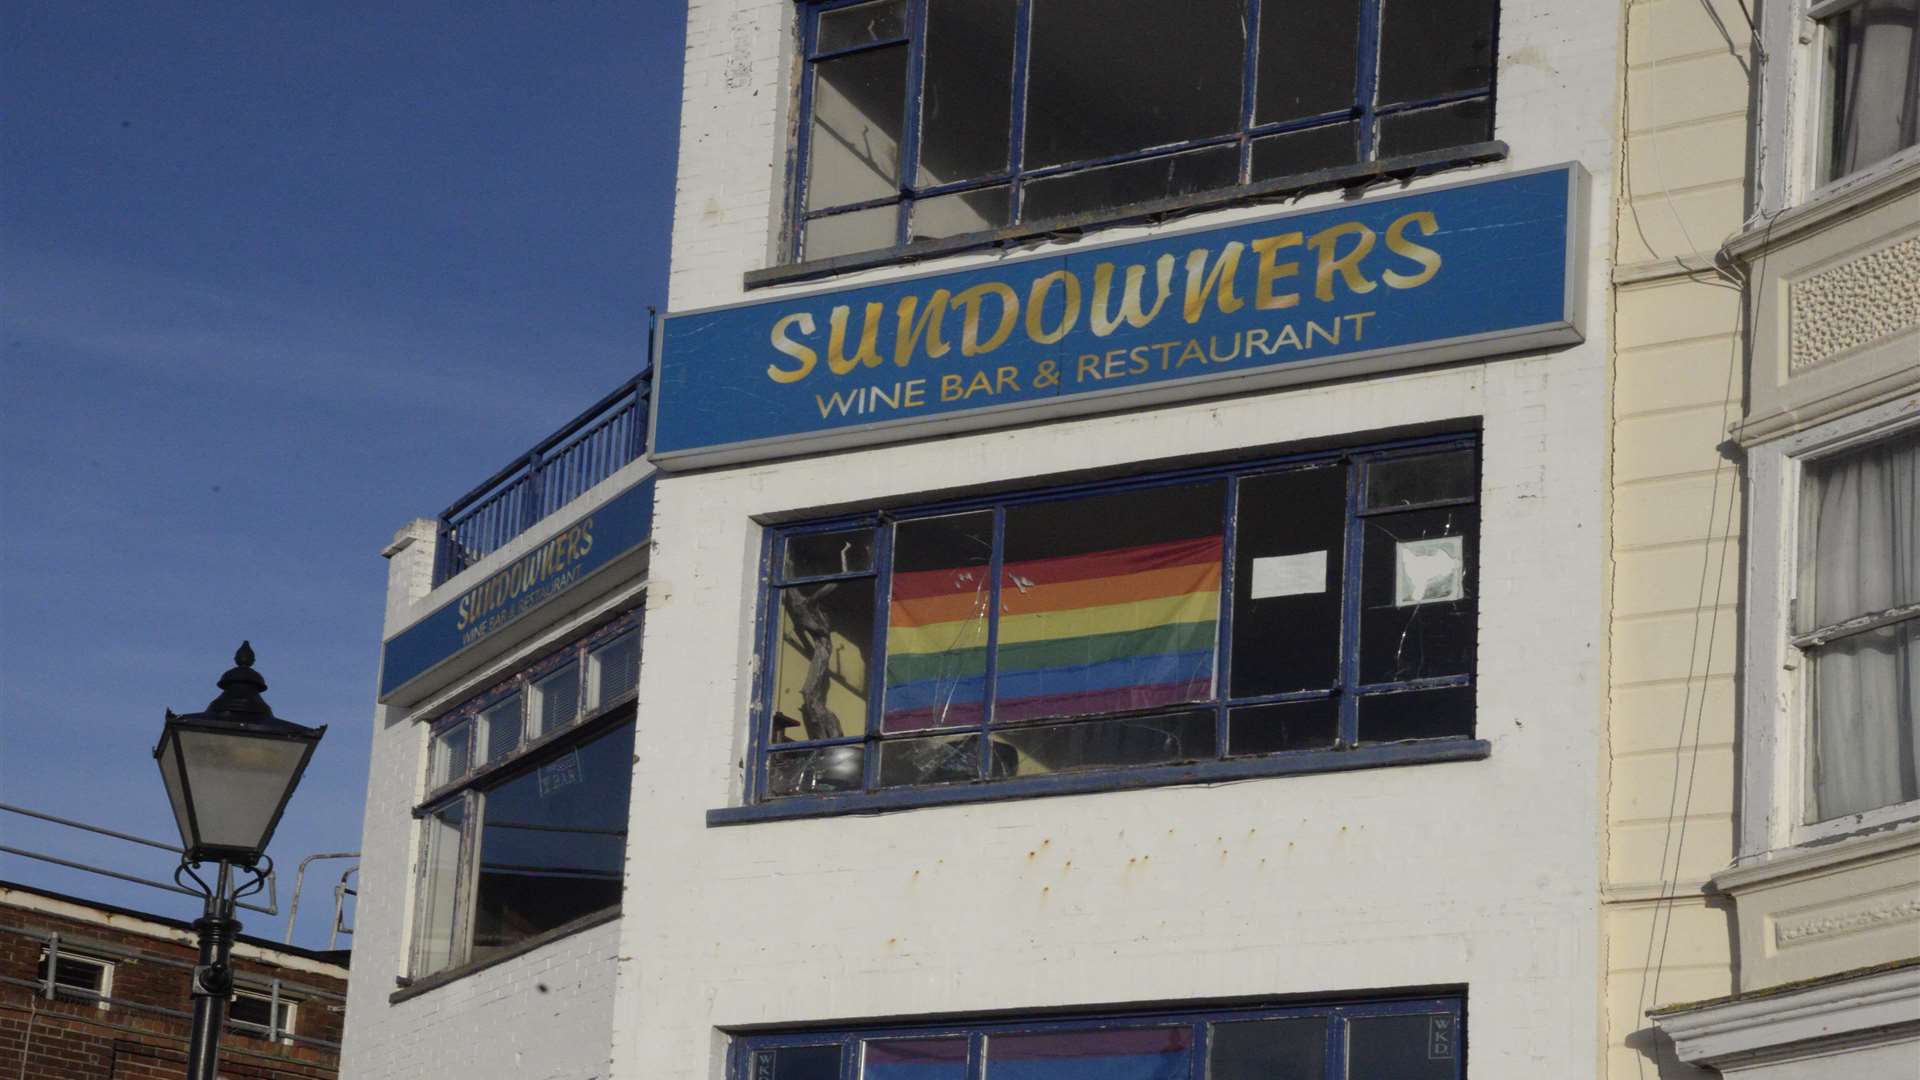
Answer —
1103 744
1413 481
500 730
939 760
937 617
1421 130
1109 1054
1429 49
439 881
852 233
1417 714
846 551
966 90
1416 595
553 843
1295 152
941 1058
1421 1046
1107 79
861 24
820 771
1136 181
859 105
1289 1049
556 700
1308 53
1289 554
957 215
1109 603
820 660
798 1063
1276 729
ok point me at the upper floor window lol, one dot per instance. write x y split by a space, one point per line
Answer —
1284 610
256 1013
1872 81
931 119
525 822
76 977
1857 622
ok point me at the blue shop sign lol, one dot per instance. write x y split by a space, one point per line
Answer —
568 557
1398 281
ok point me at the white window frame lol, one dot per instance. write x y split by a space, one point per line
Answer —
106 974
1794 111
1775 702
284 1031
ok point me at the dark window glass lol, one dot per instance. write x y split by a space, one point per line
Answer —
965 212
937 621
1421 130
1412 481
859 103
862 24
76 973
966 102
553 843
1416 596
797 1063
1421 1046
556 699
1136 181
915 1059
1873 91
614 669
1288 1049
1109 603
252 1011
1308 52
500 727
1417 714
1291 725
1103 744
1289 558
1126 1054
1107 78
1296 152
820 554
820 664
1430 49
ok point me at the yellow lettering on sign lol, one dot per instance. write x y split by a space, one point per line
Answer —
837 359
1325 243
1426 257
907 334
783 343
1264 298
1130 310
970 300
1202 282
1037 302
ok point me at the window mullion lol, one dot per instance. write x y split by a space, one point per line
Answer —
461 932
1350 578
1223 632
1017 129
1249 90
1366 76
877 664
915 91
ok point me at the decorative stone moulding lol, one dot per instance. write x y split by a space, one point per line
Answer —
1858 302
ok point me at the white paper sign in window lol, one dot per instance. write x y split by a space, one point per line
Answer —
1428 571
1289 575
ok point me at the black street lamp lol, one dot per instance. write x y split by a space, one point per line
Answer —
229 772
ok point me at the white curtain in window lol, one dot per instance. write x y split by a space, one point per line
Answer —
1865 560
1877 93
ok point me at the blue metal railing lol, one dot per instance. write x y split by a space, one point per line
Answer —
590 448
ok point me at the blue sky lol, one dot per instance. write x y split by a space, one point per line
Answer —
275 279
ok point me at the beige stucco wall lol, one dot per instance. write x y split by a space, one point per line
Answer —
1676 522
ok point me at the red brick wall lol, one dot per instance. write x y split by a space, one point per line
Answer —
78 1040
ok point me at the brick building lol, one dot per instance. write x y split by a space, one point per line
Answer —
94 992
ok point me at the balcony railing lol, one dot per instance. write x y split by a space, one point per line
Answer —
592 447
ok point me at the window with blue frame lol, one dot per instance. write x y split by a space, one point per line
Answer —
1310 611
1420 1039
934 119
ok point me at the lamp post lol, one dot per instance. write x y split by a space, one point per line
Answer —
229 772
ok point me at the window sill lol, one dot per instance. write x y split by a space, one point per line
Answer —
1824 855
413 988
1209 772
1398 169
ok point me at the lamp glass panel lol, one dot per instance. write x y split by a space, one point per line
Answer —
239 782
176 789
